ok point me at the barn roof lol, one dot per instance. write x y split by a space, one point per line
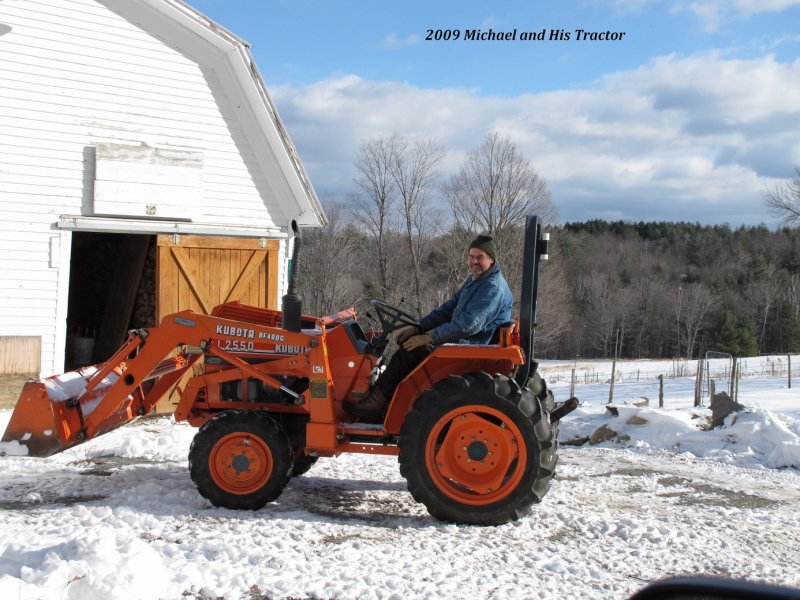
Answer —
229 56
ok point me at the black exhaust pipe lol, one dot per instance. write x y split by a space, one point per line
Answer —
292 306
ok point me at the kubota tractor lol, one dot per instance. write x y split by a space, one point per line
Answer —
474 427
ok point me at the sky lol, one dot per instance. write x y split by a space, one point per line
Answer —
691 113
119 517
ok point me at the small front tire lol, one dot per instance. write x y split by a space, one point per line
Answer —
241 460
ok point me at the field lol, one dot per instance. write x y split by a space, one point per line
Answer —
119 517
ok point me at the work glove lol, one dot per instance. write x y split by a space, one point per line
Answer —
406 332
416 341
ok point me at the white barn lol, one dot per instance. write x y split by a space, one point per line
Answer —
142 160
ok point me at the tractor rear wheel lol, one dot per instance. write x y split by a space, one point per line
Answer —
538 387
477 449
240 459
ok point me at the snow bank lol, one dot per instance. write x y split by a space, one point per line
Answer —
96 562
750 438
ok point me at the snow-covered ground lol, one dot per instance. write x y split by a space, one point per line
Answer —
119 517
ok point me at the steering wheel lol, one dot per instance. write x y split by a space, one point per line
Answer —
391 317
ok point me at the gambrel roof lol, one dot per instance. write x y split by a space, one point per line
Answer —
213 46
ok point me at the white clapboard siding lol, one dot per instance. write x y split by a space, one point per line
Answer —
126 62
282 275
74 76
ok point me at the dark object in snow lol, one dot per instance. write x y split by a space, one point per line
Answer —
602 434
642 402
721 406
713 588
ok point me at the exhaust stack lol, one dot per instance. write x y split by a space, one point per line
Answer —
292 305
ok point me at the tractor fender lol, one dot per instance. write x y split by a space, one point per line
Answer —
446 360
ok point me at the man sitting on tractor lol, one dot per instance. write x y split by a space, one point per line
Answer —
471 316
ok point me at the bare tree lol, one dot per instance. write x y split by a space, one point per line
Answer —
325 281
784 200
554 315
694 305
652 306
496 188
447 264
374 207
414 171
761 295
605 305
793 293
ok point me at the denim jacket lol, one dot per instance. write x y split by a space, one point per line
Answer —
474 312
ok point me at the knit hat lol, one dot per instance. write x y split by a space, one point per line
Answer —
485 243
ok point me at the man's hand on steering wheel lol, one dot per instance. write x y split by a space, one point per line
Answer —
406 332
417 341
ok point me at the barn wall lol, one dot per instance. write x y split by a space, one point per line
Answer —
74 75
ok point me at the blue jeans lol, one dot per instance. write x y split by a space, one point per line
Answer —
400 365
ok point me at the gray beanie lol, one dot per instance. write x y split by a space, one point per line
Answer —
485 243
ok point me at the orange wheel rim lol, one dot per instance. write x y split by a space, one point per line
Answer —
240 463
476 455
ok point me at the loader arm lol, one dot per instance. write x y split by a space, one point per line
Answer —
64 410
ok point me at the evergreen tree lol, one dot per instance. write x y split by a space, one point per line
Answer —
735 336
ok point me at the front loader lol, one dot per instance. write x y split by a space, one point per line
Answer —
474 426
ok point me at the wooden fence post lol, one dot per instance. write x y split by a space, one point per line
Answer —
698 384
613 376
572 384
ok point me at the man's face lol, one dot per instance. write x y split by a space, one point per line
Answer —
479 261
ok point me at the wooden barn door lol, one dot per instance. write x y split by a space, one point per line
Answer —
198 273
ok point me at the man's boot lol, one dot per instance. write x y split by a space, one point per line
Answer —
370 408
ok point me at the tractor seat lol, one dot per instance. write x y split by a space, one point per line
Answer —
496 336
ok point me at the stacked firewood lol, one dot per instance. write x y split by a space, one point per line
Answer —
144 307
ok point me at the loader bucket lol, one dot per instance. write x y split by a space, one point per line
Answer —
47 420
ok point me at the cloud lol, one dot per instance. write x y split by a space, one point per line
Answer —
393 40
713 13
626 7
492 22
693 138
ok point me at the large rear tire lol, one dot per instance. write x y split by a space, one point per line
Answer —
537 386
477 449
240 459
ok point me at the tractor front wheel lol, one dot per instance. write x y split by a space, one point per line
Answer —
477 449
240 459
302 463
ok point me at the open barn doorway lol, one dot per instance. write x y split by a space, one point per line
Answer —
111 289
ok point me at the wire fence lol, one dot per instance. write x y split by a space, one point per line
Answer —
587 372
715 373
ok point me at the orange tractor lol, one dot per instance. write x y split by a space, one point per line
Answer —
474 427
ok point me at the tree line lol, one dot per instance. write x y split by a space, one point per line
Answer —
638 290
678 289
